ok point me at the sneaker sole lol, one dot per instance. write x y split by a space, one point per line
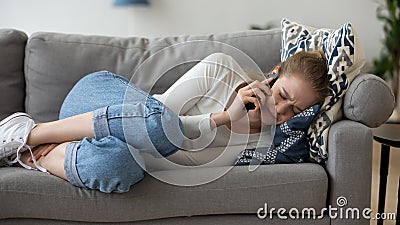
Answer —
13 116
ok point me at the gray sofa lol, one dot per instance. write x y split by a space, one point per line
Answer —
37 72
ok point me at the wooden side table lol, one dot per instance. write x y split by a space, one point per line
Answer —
398 203
389 136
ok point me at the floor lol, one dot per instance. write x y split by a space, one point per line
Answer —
392 185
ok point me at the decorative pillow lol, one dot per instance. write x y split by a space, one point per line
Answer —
345 59
290 144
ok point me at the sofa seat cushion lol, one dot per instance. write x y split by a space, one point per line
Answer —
31 194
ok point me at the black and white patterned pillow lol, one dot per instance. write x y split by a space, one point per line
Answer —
290 144
345 59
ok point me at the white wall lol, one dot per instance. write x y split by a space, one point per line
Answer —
176 17
68 16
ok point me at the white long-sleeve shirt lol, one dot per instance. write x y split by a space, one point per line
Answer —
204 89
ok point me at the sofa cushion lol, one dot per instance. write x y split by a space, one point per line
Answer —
31 194
290 144
55 62
369 100
12 85
230 219
345 58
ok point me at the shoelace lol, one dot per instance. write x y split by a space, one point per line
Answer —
24 145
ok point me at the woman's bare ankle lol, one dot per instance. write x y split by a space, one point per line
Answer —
53 161
25 156
32 137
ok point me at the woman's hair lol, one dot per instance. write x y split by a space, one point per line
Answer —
313 66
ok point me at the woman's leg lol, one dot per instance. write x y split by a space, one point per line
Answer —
106 165
53 162
105 94
69 129
107 162
94 91
91 92
145 120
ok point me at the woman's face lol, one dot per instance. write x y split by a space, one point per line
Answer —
292 94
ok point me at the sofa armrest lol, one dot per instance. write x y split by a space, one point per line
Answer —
369 100
349 167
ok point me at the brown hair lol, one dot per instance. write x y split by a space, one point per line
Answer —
313 66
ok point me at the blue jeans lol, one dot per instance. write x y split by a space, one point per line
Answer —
112 161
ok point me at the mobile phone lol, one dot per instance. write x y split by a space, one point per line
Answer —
250 105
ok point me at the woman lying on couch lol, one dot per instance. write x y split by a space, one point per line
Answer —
88 147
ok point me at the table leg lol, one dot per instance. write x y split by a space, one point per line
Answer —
384 167
398 203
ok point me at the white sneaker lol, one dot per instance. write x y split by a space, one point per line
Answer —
14 131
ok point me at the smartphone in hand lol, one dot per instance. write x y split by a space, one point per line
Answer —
250 105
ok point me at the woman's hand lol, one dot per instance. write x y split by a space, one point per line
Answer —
256 93
42 150
247 124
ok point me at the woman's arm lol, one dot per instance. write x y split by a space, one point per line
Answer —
219 119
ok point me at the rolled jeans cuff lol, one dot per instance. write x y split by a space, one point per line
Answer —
70 165
100 123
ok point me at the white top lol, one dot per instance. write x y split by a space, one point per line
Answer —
206 89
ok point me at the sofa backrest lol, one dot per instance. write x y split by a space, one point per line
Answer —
12 81
38 81
54 62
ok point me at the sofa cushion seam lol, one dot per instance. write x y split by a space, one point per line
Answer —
135 47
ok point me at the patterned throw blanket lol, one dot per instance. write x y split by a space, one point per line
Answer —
345 59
